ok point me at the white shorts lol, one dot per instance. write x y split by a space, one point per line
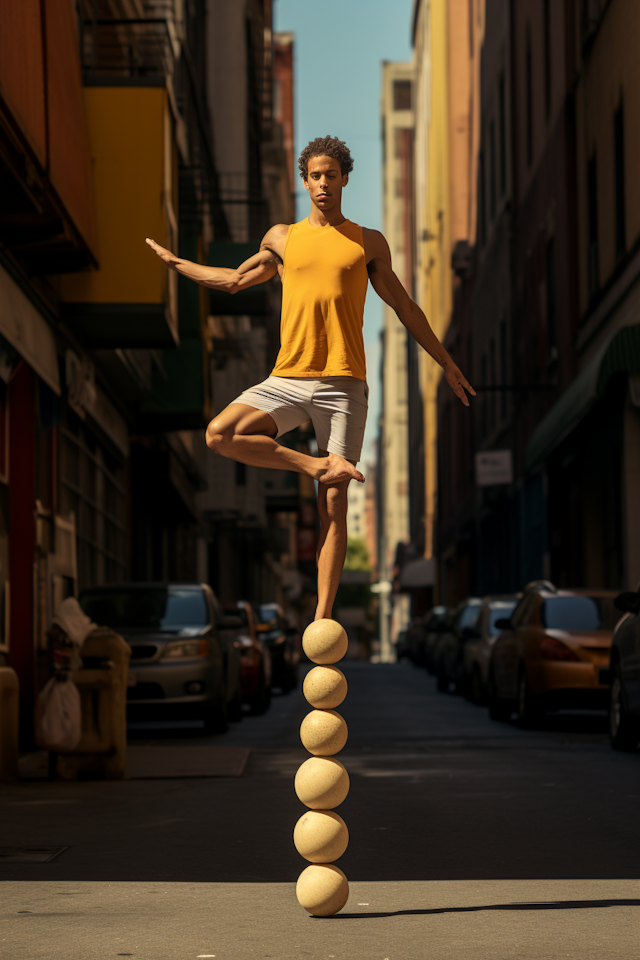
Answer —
337 406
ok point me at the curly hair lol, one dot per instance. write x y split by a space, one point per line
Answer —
325 147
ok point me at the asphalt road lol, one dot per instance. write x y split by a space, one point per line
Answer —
469 839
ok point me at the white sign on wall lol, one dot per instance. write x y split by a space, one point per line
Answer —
494 467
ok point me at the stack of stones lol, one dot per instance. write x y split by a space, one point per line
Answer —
322 783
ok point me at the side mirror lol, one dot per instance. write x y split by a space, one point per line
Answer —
470 633
503 624
628 602
230 622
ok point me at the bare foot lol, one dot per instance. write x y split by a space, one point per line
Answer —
333 468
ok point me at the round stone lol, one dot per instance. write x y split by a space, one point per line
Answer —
322 783
321 836
322 889
325 687
323 733
325 641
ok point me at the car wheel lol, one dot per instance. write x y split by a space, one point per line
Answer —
624 731
214 715
499 709
261 701
477 687
528 706
234 707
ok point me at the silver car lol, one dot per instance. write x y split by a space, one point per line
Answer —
479 640
184 663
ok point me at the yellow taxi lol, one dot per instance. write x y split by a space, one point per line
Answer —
553 653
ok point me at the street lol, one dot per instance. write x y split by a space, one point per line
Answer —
469 839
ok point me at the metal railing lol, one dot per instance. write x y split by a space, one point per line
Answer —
128 48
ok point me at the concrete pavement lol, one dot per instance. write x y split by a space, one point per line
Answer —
469 839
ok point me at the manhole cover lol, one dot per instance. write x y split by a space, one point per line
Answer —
30 854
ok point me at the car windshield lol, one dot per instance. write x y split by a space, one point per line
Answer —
468 616
578 613
267 613
498 612
152 608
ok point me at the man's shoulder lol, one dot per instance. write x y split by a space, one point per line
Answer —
375 243
277 230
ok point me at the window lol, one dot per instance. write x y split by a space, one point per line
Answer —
502 135
592 214
575 613
547 58
492 169
152 608
402 94
529 95
92 486
618 148
499 611
552 334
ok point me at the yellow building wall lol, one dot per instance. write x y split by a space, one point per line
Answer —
436 280
134 170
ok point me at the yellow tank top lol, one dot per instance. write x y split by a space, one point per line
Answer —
324 285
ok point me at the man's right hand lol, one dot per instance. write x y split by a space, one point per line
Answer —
169 258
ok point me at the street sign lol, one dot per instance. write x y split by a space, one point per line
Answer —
494 467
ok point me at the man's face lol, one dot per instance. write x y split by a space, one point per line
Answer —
325 182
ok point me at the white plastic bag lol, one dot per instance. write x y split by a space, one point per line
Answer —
58 716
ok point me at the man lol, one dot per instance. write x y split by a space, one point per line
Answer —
325 263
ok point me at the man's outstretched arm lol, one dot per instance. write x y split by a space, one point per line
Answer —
388 287
257 269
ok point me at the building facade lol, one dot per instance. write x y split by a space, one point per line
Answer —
110 363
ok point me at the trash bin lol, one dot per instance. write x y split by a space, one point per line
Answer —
102 684
8 724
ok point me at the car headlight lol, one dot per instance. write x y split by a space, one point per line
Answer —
186 650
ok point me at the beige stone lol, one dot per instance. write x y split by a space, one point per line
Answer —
323 733
325 687
325 641
321 836
322 889
322 783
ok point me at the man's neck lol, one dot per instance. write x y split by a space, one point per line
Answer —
332 218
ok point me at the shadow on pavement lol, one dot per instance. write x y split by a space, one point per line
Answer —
557 905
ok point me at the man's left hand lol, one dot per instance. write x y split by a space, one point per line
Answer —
458 383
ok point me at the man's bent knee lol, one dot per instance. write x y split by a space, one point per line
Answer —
217 438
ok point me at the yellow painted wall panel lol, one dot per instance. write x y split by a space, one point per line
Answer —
127 130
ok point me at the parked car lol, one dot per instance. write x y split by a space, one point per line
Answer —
624 675
183 659
284 644
255 659
448 653
479 640
438 621
550 653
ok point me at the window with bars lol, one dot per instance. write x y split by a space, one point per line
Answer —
92 486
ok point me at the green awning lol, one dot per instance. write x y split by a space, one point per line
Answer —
620 354
252 301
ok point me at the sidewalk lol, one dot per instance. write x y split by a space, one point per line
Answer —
470 840
486 920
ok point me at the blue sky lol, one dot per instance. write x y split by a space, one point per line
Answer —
339 45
